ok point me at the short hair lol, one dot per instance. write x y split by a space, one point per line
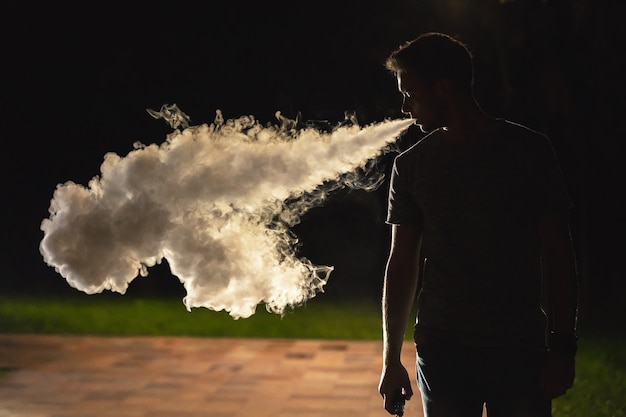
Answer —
433 56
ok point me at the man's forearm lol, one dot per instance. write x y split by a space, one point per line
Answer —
400 286
398 297
559 267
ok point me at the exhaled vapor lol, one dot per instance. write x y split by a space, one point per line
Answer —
217 201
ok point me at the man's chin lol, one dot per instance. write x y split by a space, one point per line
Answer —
424 128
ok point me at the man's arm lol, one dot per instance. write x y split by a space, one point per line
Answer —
401 282
560 301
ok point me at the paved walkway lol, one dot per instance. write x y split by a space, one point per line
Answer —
77 376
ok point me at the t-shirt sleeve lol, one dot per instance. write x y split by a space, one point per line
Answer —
548 183
402 207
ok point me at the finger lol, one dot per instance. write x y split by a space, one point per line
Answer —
551 392
388 404
408 393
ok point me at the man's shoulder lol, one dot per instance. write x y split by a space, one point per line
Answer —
519 133
423 145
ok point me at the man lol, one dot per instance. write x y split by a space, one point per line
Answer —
481 202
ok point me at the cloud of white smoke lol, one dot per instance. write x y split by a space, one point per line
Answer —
217 201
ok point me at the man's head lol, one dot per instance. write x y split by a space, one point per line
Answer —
433 56
431 70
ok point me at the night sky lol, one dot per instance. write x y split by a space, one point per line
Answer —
78 80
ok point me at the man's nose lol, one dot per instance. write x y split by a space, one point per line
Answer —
405 109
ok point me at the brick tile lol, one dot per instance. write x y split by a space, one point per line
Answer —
79 376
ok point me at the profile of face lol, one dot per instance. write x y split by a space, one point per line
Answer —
421 101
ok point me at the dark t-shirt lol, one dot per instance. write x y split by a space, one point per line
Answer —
480 203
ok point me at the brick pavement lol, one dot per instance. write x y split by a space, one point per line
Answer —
82 376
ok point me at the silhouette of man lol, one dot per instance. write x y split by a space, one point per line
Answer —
481 202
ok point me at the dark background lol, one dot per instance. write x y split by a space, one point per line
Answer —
78 79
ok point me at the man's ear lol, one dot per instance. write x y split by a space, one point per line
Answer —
443 87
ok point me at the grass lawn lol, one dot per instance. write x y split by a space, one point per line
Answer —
600 386
112 314
599 390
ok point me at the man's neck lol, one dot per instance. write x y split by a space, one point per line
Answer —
468 124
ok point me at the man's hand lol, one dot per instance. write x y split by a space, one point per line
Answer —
557 375
394 378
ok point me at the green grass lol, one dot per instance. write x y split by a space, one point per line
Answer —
106 314
600 386
599 389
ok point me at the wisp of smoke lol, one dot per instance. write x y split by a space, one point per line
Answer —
217 201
